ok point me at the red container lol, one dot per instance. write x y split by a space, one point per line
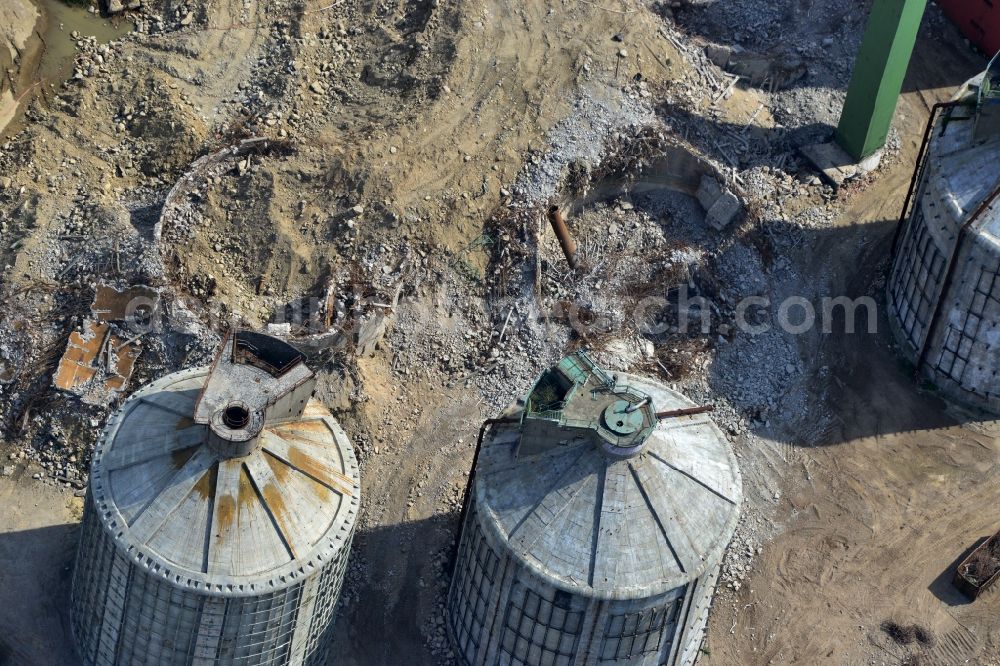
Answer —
979 21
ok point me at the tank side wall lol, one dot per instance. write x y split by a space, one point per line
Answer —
474 592
641 632
91 580
692 633
540 625
963 350
500 613
321 624
259 629
916 277
964 353
122 614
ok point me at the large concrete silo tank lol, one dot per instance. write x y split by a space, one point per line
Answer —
943 290
595 526
219 518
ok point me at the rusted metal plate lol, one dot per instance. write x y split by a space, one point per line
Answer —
95 352
113 305
77 366
99 359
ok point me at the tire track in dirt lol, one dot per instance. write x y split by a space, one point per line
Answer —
215 55
896 488
517 70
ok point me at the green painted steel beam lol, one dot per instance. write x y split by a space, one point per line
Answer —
878 75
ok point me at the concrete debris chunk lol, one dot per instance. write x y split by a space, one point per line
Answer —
370 333
774 71
835 165
281 330
721 206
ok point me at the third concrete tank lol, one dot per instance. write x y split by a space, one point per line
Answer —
944 289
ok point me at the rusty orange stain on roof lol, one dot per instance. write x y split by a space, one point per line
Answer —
325 474
180 457
247 493
280 471
307 426
276 505
225 512
283 469
315 409
205 487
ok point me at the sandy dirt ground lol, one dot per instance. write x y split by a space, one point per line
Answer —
879 508
38 527
403 128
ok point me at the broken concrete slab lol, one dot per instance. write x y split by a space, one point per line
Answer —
709 191
721 206
835 165
370 333
281 330
773 71
719 54
723 211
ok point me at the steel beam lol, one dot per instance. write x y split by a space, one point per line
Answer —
878 75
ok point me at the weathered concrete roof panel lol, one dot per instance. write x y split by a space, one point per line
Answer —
217 519
592 522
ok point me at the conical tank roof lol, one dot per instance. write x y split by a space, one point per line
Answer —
612 522
960 169
231 521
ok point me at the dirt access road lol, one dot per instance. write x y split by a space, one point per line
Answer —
877 510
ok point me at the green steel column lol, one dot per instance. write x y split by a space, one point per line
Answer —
878 75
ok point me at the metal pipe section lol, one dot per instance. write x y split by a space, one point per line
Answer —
637 406
687 411
562 233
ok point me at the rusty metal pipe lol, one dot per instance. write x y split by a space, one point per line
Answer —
562 233
687 411
637 406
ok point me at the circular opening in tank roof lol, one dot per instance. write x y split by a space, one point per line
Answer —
236 416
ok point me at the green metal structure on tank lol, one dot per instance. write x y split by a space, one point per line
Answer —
593 526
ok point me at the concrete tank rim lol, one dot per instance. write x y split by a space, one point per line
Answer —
337 538
712 558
